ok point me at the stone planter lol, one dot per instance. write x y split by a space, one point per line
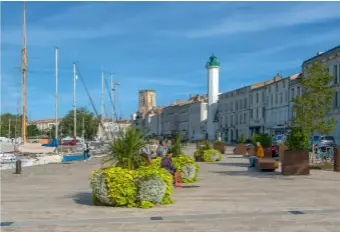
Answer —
251 150
240 149
281 152
220 147
295 163
337 159
268 152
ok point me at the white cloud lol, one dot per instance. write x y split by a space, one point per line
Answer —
276 18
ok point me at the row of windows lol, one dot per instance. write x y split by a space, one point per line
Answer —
239 105
280 98
238 119
257 113
283 83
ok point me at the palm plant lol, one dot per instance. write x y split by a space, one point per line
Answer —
176 147
125 150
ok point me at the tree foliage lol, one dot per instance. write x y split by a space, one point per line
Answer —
126 149
265 139
297 139
312 106
32 130
90 124
14 120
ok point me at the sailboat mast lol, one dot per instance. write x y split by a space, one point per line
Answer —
56 93
24 69
102 103
103 98
9 128
112 107
74 101
83 131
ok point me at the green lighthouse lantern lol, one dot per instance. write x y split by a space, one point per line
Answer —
213 61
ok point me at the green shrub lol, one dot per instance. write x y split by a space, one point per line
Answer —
198 154
114 187
157 162
266 140
207 145
242 139
187 167
297 140
154 185
212 155
143 187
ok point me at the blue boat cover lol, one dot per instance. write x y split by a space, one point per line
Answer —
54 143
75 157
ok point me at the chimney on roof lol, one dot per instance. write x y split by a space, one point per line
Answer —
319 53
277 77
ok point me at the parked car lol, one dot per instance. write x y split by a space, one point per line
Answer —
275 151
326 141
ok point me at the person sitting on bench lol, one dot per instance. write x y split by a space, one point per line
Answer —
167 164
259 154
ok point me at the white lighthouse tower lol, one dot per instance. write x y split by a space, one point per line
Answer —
213 67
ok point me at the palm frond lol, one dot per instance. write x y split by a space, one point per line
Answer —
125 150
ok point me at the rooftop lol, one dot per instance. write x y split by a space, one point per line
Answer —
48 120
147 90
321 54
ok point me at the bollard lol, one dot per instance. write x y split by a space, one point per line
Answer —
337 159
18 167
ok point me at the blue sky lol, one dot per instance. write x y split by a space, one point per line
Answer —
156 45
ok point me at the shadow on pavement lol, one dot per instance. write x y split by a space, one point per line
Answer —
83 198
253 172
190 186
231 164
234 156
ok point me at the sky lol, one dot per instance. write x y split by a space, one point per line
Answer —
155 45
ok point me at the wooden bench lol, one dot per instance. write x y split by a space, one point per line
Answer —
267 163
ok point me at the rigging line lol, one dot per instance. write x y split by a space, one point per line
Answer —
91 100
112 104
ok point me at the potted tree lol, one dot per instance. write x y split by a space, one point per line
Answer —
241 148
295 160
311 107
266 142
219 145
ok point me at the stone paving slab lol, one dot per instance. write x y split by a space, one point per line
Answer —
244 197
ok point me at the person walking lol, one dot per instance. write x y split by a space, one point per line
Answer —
259 154
86 151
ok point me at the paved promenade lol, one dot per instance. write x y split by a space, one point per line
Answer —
227 197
